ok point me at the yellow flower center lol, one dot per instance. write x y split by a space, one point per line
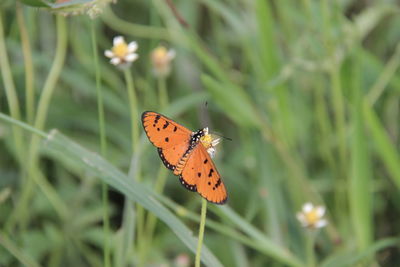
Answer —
312 217
159 55
206 140
120 50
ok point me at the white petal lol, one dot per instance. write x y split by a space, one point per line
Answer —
118 40
211 152
320 211
215 141
308 207
131 57
321 223
171 54
300 216
115 60
108 53
132 47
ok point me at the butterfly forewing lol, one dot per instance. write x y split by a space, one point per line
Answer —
171 138
162 131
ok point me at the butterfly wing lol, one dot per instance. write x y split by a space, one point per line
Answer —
171 138
201 175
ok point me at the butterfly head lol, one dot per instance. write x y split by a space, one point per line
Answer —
209 142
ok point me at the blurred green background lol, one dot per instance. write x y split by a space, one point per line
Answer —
308 91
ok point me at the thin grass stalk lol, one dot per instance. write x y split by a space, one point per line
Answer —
20 212
390 69
103 146
133 108
28 64
162 92
14 250
201 231
11 94
151 220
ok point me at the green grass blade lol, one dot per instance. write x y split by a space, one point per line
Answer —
275 251
349 258
233 100
383 145
360 195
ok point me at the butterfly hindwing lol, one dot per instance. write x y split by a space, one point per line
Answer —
171 138
201 175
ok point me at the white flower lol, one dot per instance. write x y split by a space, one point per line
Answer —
311 216
122 54
161 59
209 142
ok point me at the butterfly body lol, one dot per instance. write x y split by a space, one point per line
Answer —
187 154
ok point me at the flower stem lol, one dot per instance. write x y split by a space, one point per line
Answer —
201 231
310 248
103 146
162 92
135 136
29 73
132 107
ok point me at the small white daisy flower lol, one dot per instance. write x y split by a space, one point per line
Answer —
312 216
122 54
209 141
161 59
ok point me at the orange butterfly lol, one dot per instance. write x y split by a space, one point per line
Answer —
187 154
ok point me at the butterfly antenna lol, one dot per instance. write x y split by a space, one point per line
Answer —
226 138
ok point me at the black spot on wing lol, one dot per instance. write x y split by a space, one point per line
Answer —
218 183
210 173
165 125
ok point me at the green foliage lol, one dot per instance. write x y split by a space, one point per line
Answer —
307 90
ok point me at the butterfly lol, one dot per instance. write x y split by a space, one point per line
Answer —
187 154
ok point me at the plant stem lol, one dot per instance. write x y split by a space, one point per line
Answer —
11 94
132 107
29 73
44 102
103 146
162 92
311 234
151 221
201 231
135 136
